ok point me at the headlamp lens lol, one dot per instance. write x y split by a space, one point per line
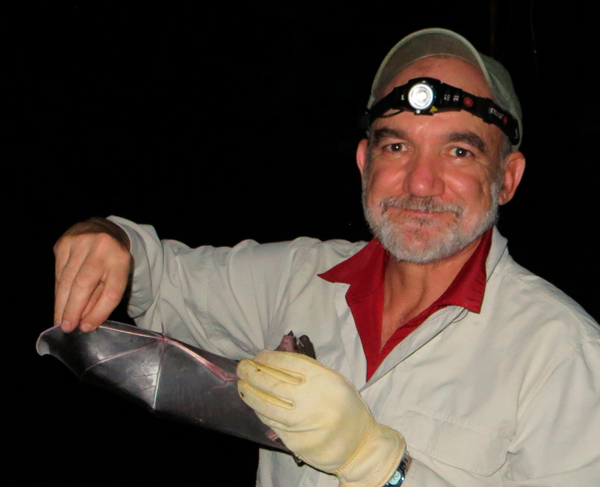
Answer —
421 96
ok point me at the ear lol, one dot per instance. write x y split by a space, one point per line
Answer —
361 157
515 167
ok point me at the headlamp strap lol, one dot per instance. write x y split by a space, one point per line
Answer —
445 98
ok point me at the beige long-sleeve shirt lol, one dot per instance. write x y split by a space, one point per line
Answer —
509 396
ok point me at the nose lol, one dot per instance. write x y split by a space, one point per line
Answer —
424 177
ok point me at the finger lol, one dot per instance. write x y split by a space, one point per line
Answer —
265 392
289 361
253 370
268 406
64 283
62 253
109 295
301 365
93 300
83 287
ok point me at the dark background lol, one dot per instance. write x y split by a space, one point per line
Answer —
237 120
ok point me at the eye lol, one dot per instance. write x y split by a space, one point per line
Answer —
460 152
395 147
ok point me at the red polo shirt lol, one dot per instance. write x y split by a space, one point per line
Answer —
365 273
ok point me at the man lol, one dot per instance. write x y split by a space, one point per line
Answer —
441 361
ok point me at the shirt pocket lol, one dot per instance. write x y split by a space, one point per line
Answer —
453 441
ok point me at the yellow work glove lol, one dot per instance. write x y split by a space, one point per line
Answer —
320 416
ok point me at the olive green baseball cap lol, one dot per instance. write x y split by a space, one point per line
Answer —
443 42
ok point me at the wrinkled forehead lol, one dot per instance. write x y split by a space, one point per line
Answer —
449 70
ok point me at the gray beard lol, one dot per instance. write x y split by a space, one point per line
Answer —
451 239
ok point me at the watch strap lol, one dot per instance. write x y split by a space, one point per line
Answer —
398 477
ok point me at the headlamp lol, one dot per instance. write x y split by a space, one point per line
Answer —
421 96
427 96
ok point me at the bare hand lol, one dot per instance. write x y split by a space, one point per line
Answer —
92 271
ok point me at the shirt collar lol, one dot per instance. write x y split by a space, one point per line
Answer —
365 272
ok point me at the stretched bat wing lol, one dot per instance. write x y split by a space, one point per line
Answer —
170 378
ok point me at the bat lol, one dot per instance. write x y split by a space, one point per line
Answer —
165 376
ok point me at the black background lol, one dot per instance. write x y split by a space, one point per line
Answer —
223 121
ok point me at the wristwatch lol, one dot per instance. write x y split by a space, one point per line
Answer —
399 475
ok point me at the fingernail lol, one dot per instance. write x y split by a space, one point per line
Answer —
65 326
86 327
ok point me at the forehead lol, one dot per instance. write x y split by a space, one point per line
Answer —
449 70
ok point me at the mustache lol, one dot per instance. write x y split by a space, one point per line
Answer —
429 204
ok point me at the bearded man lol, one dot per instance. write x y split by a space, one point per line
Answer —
442 362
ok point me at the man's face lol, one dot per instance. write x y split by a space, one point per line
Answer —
431 184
